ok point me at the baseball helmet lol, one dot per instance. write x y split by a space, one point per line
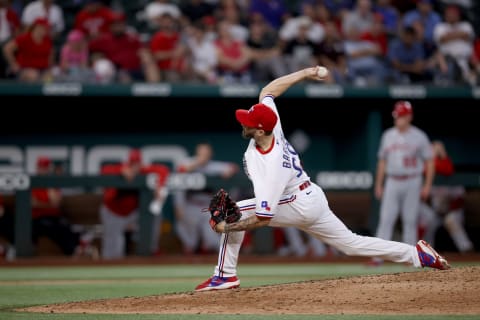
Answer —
135 156
402 108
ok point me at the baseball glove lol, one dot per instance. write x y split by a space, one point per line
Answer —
223 208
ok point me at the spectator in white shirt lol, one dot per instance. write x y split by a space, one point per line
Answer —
157 8
44 9
203 54
454 38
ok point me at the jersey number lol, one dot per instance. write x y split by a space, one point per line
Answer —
295 159
409 162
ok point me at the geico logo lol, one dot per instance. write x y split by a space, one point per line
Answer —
17 181
80 160
345 180
184 181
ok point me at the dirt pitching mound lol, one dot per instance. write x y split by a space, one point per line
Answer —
455 292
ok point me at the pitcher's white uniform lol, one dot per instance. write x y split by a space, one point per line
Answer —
284 193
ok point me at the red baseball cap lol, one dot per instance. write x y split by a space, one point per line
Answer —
259 116
119 17
402 108
43 162
208 20
452 7
135 156
41 22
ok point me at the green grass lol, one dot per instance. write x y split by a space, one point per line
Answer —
28 286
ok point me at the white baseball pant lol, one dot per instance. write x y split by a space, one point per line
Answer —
308 210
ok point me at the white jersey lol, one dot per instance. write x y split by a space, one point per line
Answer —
405 152
36 9
275 173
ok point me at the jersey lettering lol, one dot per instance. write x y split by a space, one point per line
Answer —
409 162
286 155
295 158
291 158
286 163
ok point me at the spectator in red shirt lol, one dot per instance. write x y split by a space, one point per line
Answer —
377 34
234 56
123 47
93 19
30 55
119 211
168 51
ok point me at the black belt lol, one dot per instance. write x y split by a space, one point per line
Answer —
304 185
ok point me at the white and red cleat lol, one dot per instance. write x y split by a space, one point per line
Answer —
429 257
219 283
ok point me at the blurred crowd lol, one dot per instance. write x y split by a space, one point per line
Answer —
363 42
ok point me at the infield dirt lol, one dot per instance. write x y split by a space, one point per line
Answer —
451 292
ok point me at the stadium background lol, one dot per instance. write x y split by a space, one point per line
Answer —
343 125
343 135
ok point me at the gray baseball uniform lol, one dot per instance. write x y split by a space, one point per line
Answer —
193 228
404 154
298 246
441 212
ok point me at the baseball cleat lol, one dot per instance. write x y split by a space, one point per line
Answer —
219 283
430 258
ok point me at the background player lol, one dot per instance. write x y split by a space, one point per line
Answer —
191 226
119 211
285 196
445 205
403 156
300 244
